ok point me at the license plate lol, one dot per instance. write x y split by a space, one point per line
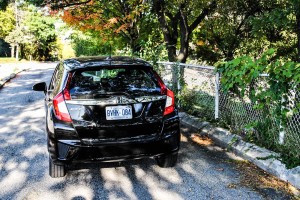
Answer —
118 112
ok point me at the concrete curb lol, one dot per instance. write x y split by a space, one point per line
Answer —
8 78
263 158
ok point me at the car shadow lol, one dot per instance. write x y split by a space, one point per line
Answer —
201 173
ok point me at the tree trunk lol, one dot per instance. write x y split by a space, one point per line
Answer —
184 50
12 49
184 37
133 45
169 30
133 37
22 52
170 27
171 48
17 53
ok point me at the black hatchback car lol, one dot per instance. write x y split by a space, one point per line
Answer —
101 109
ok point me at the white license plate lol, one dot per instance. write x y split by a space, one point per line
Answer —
118 112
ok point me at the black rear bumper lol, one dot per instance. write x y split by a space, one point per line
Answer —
85 154
67 150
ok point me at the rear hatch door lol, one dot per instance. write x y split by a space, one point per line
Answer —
116 103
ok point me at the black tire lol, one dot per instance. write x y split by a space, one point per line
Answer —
167 160
56 171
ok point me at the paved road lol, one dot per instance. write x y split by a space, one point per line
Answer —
24 161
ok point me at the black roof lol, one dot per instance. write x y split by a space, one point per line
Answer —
95 61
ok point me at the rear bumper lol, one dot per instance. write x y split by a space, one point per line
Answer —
67 151
85 154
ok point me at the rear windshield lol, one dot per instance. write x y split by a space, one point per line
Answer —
101 82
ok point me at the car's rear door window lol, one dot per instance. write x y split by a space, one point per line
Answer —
55 83
93 83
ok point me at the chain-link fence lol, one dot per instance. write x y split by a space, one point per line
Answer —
196 91
200 94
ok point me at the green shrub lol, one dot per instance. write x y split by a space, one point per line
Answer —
241 77
197 103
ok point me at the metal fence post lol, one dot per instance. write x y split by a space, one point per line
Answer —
217 96
281 126
174 77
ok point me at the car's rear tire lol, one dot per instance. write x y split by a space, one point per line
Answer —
56 171
169 160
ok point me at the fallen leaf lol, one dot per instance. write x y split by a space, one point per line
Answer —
231 185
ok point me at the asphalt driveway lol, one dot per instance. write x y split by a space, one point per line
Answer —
201 173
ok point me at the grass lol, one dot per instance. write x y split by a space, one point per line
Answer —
7 60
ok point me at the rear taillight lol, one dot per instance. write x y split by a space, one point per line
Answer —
163 87
170 102
60 108
59 104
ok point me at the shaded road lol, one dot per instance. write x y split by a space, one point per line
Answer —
201 173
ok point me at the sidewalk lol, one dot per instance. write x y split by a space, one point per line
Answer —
10 70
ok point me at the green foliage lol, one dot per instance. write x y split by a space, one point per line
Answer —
197 103
16 36
34 33
65 50
241 72
124 22
41 33
178 20
89 44
7 20
241 77
3 4
240 28
153 51
265 134
275 29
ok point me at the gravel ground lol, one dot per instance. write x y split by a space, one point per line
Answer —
201 173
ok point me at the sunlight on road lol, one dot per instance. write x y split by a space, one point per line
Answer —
82 191
117 177
24 161
15 179
34 150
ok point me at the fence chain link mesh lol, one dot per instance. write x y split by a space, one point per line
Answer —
197 97
197 84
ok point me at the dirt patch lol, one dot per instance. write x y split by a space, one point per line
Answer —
265 183
252 176
201 140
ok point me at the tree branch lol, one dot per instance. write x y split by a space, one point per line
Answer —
212 5
58 4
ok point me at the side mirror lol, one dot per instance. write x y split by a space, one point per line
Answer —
40 87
